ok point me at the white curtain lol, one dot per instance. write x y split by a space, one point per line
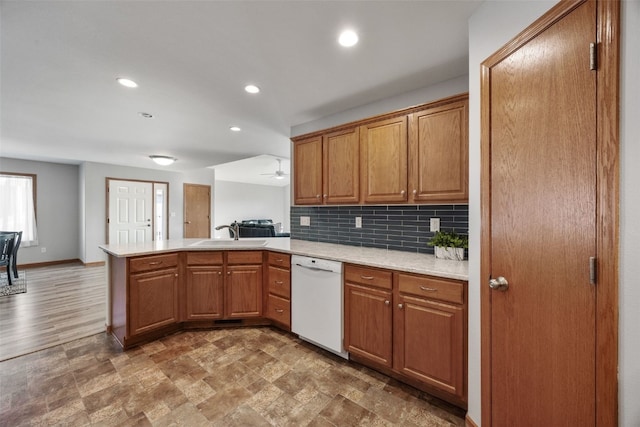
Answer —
17 212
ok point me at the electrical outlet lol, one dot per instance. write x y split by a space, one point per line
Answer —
434 224
358 222
305 221
43 249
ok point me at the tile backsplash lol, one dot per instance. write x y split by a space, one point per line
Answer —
397 227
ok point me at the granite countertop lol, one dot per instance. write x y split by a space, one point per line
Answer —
372 257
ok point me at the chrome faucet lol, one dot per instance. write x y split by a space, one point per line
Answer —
233 227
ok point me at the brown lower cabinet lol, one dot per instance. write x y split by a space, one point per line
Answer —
412 327
279 289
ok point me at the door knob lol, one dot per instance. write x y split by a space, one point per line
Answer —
499 284
187 222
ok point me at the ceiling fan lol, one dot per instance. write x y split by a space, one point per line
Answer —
278 174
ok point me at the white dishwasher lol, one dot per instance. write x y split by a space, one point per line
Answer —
317 302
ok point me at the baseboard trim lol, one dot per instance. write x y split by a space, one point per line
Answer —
50 263
94 264
468 422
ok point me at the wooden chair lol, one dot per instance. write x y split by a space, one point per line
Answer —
6 249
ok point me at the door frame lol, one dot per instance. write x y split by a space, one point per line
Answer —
607 200
153 207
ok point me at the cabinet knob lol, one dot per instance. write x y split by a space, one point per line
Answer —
325 196
176 274
387 302
317 196
400 306
415 192
402 192
219 273
228 272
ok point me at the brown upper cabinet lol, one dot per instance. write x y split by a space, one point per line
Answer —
326 168
415 155
384 160
438 153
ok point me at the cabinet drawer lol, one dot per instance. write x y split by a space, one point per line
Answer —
431 287
280 282
368 276
150 263
279 259
279 309
204 258
244 257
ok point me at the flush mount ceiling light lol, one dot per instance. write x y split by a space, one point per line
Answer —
348 38
163 160
126 82
252 88
235 128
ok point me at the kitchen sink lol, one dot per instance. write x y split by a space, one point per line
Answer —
230 243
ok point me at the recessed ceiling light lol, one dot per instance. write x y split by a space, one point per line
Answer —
348 38
145 115
126 82
163 160
235 128
252 88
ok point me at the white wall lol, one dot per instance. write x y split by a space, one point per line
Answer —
493 24
629 377
57 209
235 201
93 184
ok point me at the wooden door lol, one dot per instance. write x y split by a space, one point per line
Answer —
438 154
307 171
368 323
341 170
383 147
197 211
539 228
130 211
429 343
244 291
205 286
153 300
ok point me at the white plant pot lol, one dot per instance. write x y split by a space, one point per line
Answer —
449 253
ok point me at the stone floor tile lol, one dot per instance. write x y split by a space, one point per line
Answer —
220 404
342 411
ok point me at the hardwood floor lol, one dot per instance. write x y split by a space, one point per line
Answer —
63 303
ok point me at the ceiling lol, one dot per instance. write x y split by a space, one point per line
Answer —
59 60
263 171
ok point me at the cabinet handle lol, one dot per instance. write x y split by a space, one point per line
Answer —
400 306
428 289
155 263
279 310
279 282
279 260
367 277
387 302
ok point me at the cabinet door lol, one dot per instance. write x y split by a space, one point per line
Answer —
307 171
438 147
341 167
244 291
153 300
383 147
367 323
204 292
429 343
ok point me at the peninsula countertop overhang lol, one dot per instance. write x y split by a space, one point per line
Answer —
373 257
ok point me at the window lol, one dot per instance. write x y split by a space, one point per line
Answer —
17 206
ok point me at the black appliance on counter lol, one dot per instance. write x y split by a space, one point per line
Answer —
258 228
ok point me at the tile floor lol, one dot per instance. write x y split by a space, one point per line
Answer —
224 377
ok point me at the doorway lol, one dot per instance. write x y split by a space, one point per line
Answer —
137 211
549 221
197 211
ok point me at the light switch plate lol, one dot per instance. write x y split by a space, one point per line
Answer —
358 222
434 224
305 221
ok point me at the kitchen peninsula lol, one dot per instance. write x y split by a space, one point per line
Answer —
405 314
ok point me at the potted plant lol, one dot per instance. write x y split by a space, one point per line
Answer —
449 245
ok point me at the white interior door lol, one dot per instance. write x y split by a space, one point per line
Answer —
130 212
